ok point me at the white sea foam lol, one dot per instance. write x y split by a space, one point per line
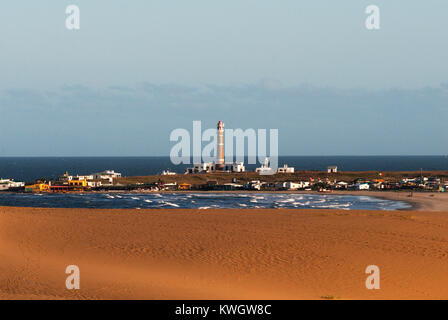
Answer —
333 206
307 203
171 204
345 204
287 200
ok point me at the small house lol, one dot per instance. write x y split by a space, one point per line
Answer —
362 186
285 169
332 169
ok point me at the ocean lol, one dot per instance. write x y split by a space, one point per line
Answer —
199 201
29 169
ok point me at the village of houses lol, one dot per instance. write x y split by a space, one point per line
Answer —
65 183
284 178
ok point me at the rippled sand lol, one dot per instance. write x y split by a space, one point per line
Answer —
222 254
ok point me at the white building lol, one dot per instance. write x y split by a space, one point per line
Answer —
264 169
232 186
362 186
293 185
253 185
235 167
87 177
205 167
332 169
6 184
341 185
285 169
106 175
67 177
94 183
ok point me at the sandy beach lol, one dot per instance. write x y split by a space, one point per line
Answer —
226 254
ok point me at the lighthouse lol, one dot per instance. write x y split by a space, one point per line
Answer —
218 165
220 150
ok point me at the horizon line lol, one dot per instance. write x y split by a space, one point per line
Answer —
245 156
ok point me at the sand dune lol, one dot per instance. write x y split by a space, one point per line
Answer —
222 254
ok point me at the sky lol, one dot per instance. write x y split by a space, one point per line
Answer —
136 70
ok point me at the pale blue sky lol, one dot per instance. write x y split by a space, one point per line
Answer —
149 67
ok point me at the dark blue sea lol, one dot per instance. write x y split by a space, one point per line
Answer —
199 201
30 169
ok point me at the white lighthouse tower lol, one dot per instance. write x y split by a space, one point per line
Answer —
220 150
